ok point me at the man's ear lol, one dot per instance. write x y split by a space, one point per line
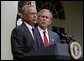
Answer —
23 16
50 22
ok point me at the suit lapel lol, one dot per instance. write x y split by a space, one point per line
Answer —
28 34
51 39
40 41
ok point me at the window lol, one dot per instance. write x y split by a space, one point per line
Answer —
54 6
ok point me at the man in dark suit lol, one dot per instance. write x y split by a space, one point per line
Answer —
22 38
46 37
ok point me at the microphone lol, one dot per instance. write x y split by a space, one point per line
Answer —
68 38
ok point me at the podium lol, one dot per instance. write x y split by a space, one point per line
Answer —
52 52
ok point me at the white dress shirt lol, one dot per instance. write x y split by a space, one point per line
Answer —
41 33
30 28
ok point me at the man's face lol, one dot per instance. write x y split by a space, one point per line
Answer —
44 20
31 16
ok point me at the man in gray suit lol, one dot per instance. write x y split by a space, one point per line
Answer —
46 37
22 38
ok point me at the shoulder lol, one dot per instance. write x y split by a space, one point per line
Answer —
53 33
18 28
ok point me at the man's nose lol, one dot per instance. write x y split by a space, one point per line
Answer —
35 16
44 19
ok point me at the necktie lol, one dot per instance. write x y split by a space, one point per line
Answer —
45 39
35 38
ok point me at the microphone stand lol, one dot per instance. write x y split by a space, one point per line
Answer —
73 46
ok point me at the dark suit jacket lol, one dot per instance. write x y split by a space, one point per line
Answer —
22 42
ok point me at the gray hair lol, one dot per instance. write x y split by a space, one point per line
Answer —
25 9
45 10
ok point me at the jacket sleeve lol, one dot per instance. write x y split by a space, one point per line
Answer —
17 43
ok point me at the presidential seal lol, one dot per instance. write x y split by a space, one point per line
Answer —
75 50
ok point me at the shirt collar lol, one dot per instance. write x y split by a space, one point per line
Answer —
41 30
29 26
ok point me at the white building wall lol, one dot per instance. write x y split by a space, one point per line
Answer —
8 22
